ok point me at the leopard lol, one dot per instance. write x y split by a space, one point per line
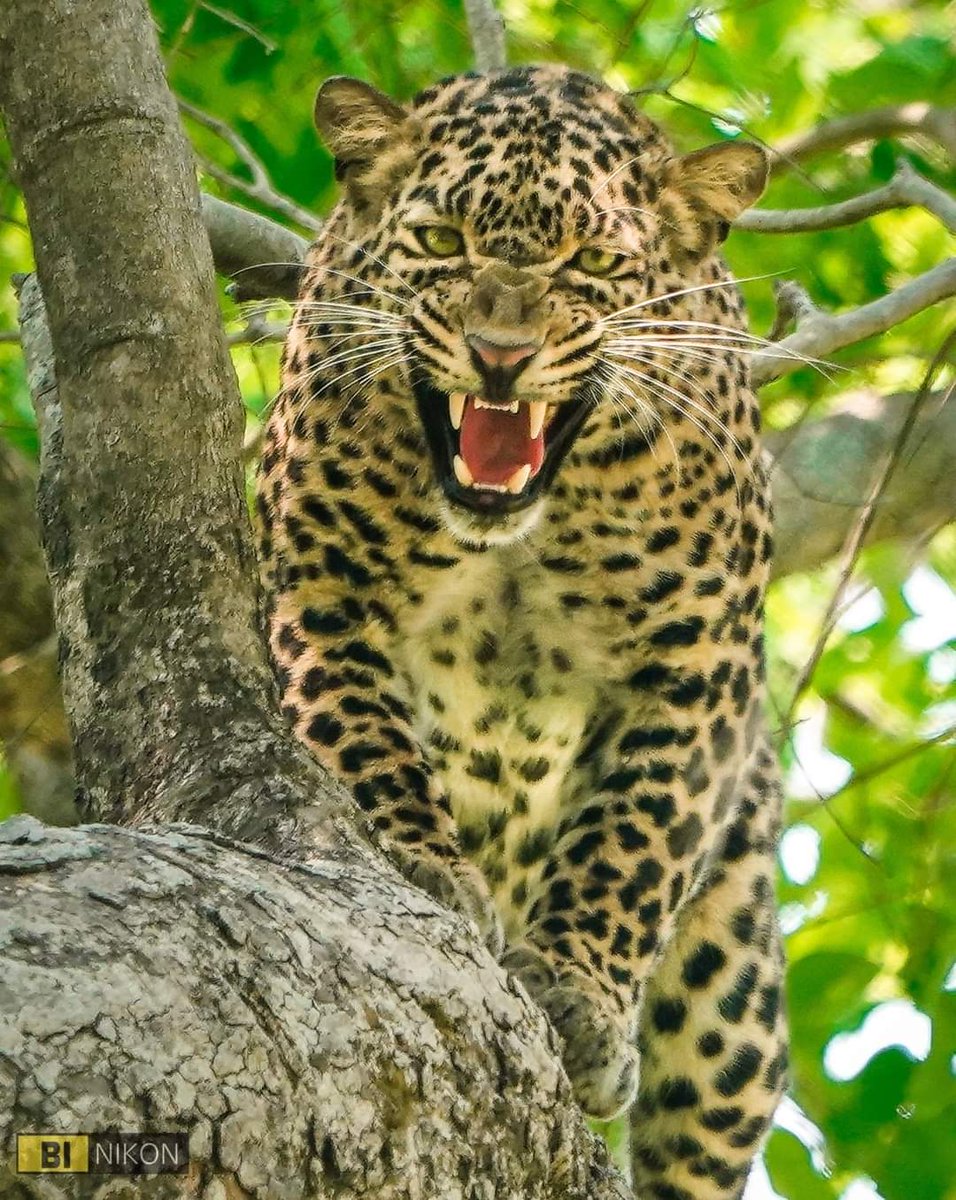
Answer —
515 535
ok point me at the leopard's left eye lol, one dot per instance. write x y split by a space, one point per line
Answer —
440 240
594 261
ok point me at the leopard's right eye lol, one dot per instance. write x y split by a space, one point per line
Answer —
440 240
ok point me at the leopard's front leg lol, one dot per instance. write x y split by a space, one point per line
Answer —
628 859
341 695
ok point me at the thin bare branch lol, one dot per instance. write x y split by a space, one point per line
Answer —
906 189
9 337
487 31
868 774
261 187
230 18
892 120
822 333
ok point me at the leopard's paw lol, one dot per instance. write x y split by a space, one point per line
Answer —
599 1051
599 1056
456 884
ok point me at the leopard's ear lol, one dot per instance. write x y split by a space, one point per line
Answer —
372 138
706 190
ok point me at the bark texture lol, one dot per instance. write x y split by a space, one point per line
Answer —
320 1032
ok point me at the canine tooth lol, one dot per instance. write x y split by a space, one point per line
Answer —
537 411
456 408
517 481
462 474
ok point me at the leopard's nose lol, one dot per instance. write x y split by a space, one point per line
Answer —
496 356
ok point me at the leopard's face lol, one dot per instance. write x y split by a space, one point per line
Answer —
507 225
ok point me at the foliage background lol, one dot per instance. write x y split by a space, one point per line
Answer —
868 878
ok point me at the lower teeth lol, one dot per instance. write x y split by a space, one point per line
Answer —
511 408
514 486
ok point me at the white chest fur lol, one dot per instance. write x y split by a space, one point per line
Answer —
504 683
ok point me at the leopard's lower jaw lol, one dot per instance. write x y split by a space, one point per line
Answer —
472 530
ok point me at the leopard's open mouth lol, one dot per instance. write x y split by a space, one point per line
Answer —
495 457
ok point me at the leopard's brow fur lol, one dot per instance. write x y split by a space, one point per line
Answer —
552 719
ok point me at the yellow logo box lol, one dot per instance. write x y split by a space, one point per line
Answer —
112 1153
38 1152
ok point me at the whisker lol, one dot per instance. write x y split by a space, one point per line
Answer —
696 328
707 351
300 265
342 304
700 287
663 323
706 412
358 327
368 254
353 389
353 354
702 342
376 369
356 354
344 316
358 367
660 389
363 283
617 386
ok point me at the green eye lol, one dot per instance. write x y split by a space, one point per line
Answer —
594 261
440 240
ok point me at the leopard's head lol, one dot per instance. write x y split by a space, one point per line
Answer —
501 228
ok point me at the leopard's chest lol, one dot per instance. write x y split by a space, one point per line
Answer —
505 692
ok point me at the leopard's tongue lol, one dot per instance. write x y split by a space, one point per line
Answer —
495 443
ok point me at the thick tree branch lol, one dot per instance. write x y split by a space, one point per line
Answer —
320 1032
906 189
823 473
262 258
487 30
892 120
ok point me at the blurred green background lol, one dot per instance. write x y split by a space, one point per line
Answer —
868 862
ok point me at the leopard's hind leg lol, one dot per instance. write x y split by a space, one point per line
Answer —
713 1035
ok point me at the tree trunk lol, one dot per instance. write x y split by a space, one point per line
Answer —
143 513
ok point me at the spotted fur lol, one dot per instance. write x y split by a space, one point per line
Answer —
548 703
